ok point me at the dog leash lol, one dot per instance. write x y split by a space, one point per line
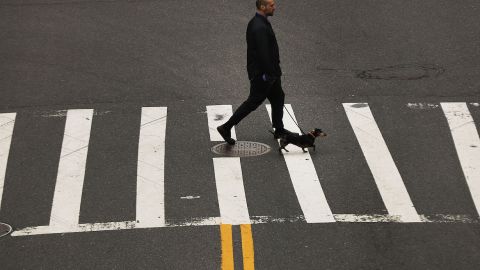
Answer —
303 133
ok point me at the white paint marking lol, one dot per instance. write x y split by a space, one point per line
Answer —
63 113
215 221
370 218
230 190
190 197
467 142
7 122
475 104
151 168
270 219
88 227
437 218
304 177
383 168
218 115
205 221
422 106
442 218
112 226
354 218
71 170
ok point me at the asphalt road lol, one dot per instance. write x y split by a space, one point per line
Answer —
403 58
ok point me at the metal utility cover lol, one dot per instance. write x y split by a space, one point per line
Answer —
5 229
241 149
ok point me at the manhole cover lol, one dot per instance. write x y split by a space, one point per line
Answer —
5 229
401 72
397 72
241 149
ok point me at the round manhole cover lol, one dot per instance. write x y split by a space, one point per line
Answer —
5 229
402 72
241 149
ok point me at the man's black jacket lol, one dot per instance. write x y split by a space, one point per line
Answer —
262 49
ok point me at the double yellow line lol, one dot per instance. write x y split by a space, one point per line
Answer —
227 247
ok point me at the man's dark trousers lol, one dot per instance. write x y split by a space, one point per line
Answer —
259 91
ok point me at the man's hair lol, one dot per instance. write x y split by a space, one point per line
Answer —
258 3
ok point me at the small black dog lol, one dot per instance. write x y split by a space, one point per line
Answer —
302 141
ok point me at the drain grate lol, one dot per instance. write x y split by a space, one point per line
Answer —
241 149
5 229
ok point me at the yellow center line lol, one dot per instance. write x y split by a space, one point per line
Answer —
227 246
247 247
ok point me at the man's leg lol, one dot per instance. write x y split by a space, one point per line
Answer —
277 98
258 94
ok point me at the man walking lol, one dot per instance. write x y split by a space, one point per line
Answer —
263 66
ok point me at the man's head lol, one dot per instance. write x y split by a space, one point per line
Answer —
265 7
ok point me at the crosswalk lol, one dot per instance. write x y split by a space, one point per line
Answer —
310 190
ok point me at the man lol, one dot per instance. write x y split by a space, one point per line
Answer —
263 66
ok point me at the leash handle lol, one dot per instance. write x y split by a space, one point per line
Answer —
303 133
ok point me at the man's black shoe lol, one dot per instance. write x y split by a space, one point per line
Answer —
281 132
226 134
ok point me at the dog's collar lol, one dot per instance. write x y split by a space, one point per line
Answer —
311 134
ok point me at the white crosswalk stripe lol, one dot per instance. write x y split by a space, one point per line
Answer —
151 168
304 178
314 205
71 170
384 170
217 115
231 193
467 143
228 173
7 122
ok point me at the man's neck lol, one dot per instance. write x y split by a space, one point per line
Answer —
261 13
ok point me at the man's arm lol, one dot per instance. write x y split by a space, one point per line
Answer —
262 43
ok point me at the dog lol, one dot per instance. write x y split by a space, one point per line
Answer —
302 141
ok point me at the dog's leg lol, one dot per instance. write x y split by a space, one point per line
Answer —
283 143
